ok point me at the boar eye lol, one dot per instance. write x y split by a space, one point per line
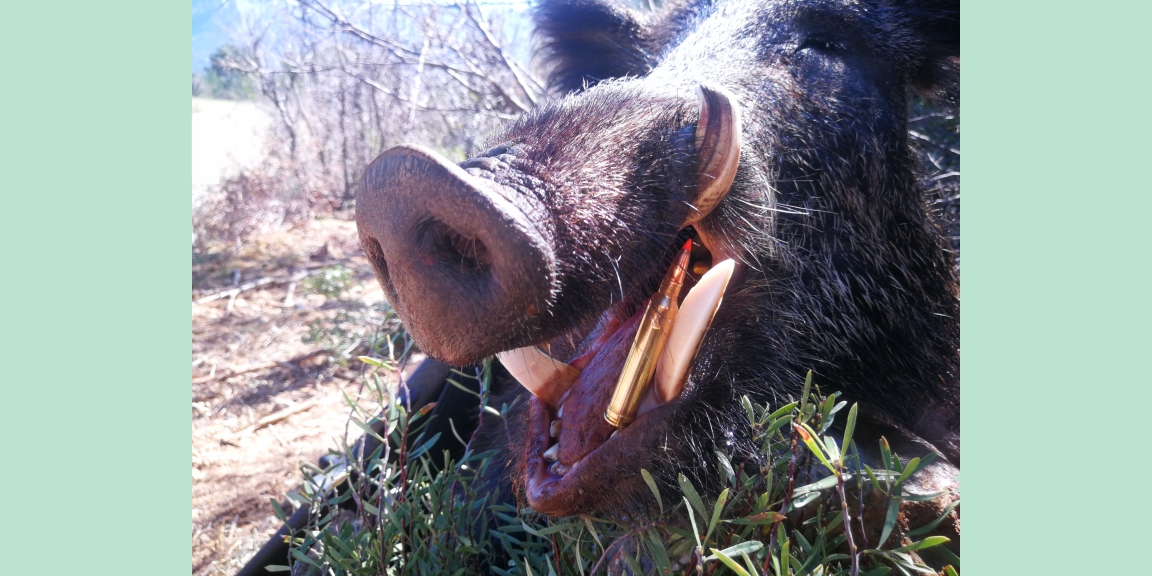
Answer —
818 45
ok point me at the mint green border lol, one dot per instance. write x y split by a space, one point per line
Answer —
1056 285
94 420
94 415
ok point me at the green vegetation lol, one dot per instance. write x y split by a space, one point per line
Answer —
222 77
416 512
357 327
330 282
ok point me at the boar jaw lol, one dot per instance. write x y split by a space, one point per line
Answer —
572 456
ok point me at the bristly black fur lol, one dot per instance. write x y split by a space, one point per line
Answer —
584 42
847 271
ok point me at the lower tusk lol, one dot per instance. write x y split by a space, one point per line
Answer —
544 376
692 322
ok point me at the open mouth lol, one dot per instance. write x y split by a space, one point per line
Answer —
599 391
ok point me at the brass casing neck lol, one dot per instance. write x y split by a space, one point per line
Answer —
659 317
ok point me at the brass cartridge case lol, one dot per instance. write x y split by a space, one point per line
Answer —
636 377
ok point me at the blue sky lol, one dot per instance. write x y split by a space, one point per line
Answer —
207 16
207 35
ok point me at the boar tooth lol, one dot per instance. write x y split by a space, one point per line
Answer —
560 412
544 376
552 453
692 322
554 428
718 145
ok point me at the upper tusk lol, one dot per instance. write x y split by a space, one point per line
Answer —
692 323
544 376
718 145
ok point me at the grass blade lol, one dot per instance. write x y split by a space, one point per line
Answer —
651 482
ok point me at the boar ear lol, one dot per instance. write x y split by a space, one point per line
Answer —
584 42
935 72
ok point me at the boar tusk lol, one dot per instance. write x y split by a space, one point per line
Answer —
718 145
692 322
544 376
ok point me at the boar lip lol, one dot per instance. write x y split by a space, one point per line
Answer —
556 495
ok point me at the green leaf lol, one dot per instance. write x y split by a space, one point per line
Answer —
833 450
424 447
784 557
826 412
651 482
810 440
923 497
592 530
302 557
889 521
748 409
748 562
749 547
778 424
949 557
768 517
372 361
279 511
850 426
368 430
803 500
783 410
950 571
463 387
908 469
633 565
925 543
692 519
885 453
819 485
659 552
726 471
720 502
693 497
807 389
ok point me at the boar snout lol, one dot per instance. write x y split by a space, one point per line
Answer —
468 265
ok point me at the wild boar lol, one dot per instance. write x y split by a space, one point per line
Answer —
772 133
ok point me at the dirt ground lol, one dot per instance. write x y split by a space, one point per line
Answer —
263 398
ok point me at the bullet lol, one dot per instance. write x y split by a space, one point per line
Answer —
658 318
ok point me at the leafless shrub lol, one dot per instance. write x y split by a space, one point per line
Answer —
348 79
271 196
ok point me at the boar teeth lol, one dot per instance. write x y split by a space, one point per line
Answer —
718 145
554 428
544 376
552 453
558 469
692 322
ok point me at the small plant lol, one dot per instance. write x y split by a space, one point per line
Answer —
331 282
358 329
409 511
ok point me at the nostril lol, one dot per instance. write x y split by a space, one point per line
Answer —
467 254
375 256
